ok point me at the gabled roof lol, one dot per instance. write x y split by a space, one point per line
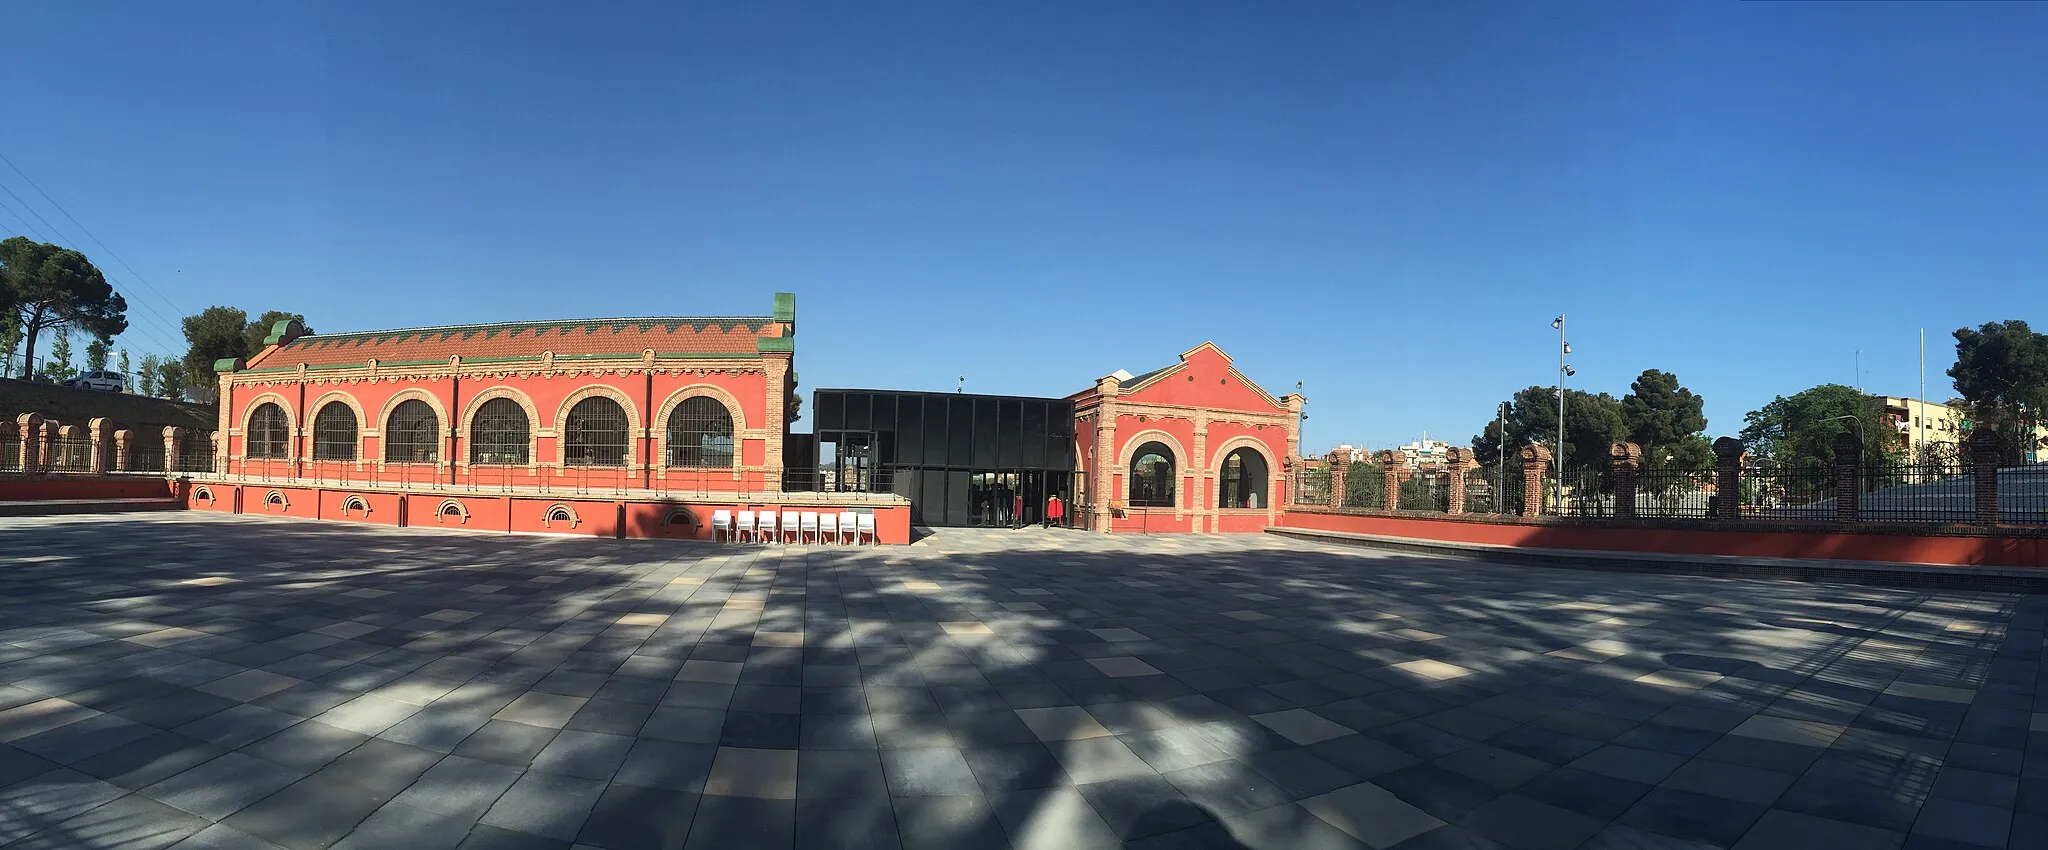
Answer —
1140 382
736 335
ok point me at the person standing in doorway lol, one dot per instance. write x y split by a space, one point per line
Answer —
1017 510
1054 511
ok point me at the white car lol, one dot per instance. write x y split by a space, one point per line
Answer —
102 381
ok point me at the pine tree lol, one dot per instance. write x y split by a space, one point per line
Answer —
127 383
58 368
145 380
96 353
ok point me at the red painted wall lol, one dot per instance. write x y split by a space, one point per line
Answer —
1992 551
84 487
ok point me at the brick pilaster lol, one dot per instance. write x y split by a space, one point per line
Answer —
124 458
777 371
1390 462
1728 458
1535 459
1623 458
1984 473
1339 467
101 433
1848 471
174 441
30 427
1457 460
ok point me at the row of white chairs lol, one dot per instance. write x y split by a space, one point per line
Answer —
805 526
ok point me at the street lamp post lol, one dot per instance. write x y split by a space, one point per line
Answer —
1563 371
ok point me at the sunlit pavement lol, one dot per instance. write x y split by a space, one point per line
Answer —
201 681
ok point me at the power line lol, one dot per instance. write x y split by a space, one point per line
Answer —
18 216
89 234
162 323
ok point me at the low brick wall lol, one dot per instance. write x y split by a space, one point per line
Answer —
1944 545
33 488
532 513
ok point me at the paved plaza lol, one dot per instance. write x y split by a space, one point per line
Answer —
207 681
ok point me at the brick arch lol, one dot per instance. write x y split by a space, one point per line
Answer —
533 423
605 390
291 420
1274 476
676 399
441 422
354 406
1182 498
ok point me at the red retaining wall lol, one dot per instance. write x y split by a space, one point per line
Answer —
473 512
1961 547
84 487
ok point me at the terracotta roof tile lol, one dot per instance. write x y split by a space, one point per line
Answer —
730 334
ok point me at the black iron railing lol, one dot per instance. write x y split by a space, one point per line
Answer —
1313 487
1587 491
1787 493
1675 493
1917 492
2023 494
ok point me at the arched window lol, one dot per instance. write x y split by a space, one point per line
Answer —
412 434
1152 476
334 432
595 434
269 431
500 433
1244 479
700 434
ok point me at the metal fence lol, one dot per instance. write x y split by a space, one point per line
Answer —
147 456
195 456
1787 493
2023 494
1675 493
1313 487
72 455
10 453
1917 492
1588 491
1428 490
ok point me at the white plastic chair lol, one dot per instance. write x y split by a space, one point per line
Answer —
765 526
721 524
867 529
807 525
744 527
828 528
849 526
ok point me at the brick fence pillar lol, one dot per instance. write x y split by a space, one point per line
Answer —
1391 463
1984 473
30 427
1728 457
69 435
101 432
49 450
1457 460
1535 458
1848 472
174 442
1340 463
1623 459
124 451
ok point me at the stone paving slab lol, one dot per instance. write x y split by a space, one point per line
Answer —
204 681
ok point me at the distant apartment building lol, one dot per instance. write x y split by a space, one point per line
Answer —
1922 428
1427 453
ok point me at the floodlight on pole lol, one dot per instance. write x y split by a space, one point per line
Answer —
1563 371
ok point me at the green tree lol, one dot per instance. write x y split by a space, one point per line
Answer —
1800 429
216 333
1593 422
145 380
51 287
96 353
2002 371
1365 485
259 330
1666 420
127 380
172 379
10 339
59 368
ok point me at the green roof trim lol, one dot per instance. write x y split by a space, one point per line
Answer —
521 358
775 345
785 307
228 364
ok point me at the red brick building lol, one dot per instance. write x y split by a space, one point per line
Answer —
659 403
1192 447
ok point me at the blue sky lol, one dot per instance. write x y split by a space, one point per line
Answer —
1386 201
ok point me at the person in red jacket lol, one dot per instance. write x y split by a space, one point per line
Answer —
1054 511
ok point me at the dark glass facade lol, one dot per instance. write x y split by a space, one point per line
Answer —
960 459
